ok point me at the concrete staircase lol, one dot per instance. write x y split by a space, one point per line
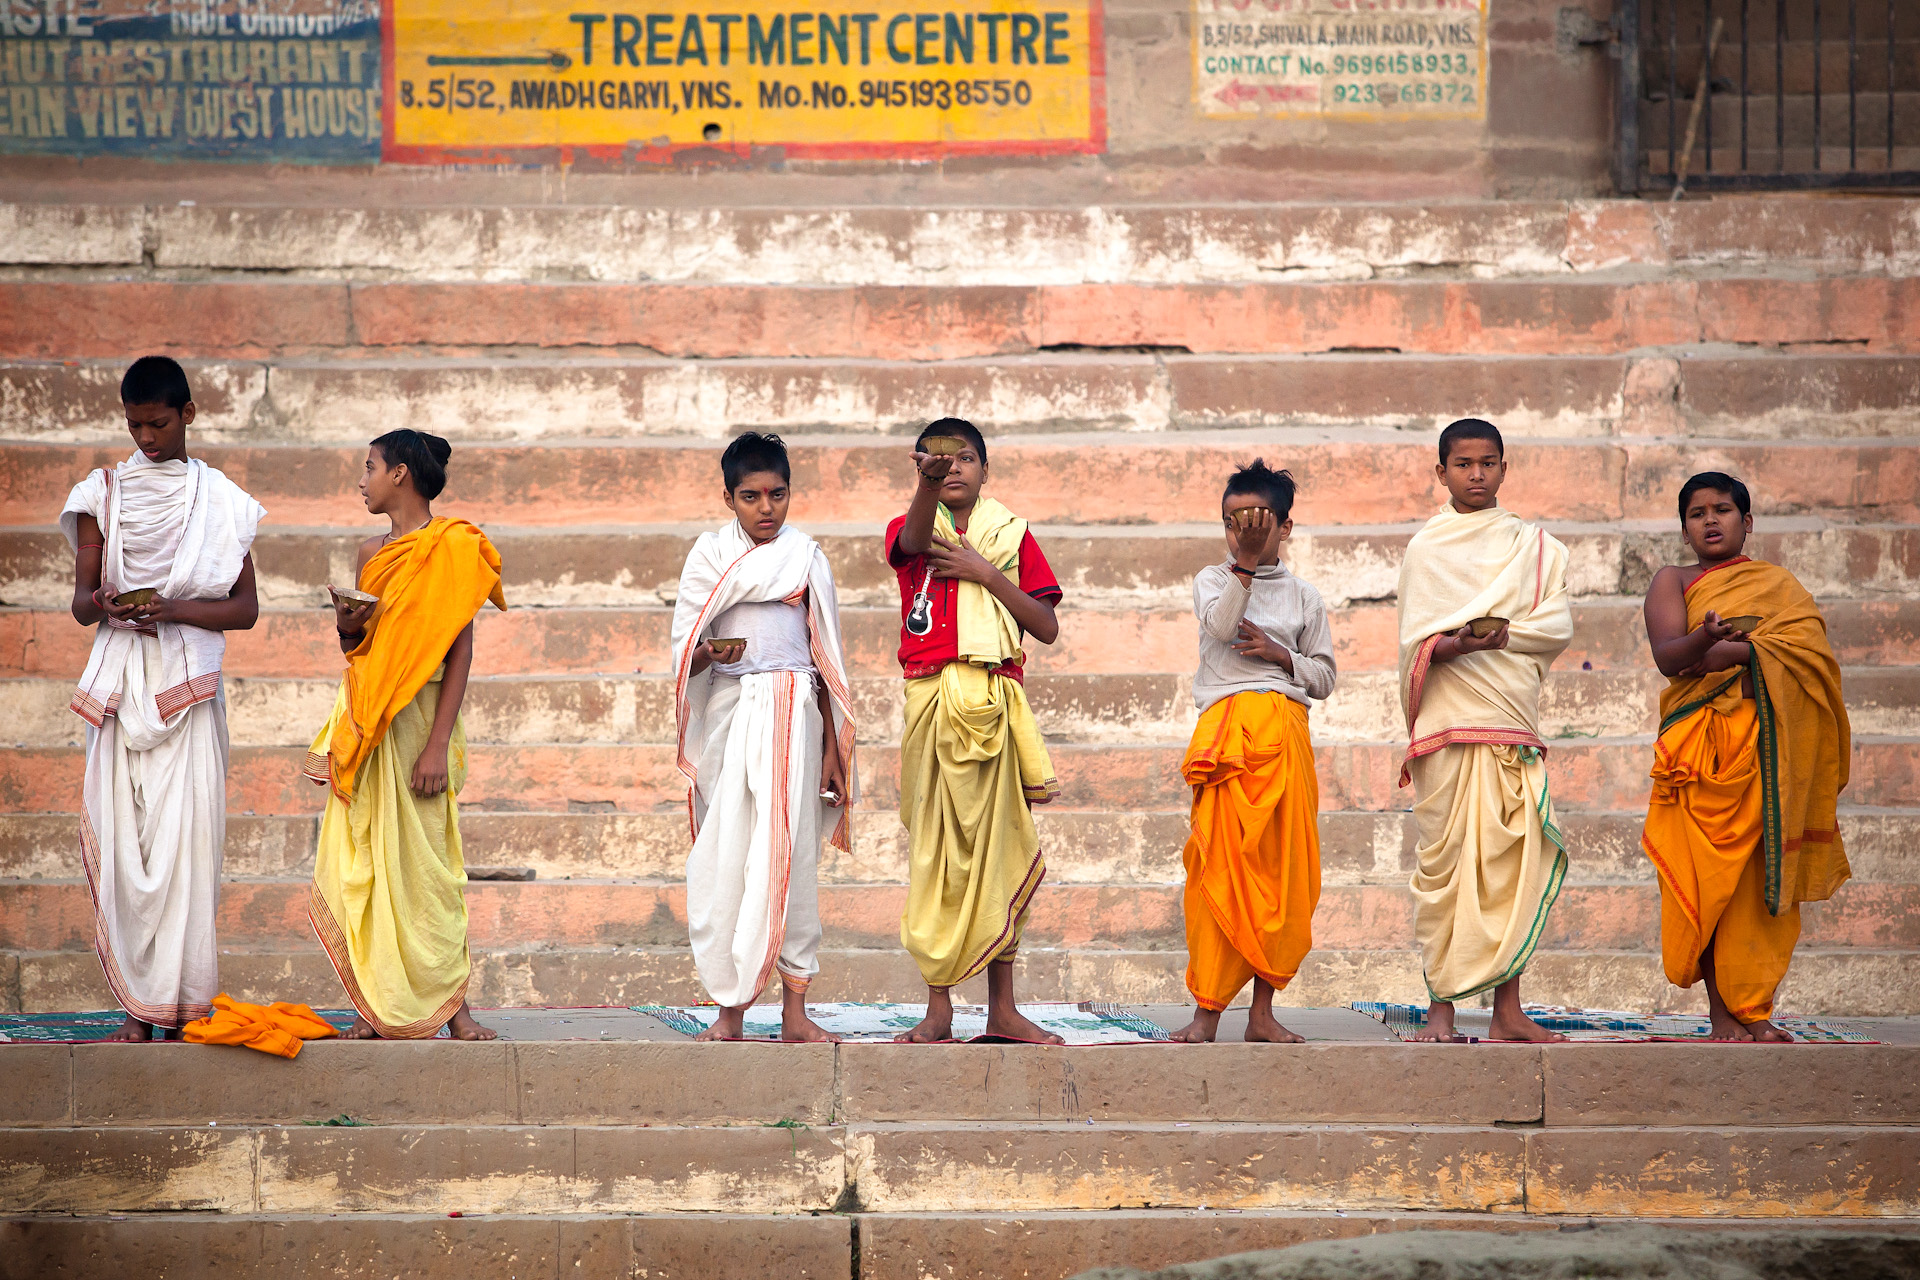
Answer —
883 1162
588 361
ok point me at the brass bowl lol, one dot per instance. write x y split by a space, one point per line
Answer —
354 597
722 642
1245 516
1745 622
142 596
942 446
1484 627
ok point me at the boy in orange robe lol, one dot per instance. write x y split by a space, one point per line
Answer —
1753 753
1253 859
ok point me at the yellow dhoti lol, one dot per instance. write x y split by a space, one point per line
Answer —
388 899
1491 864
1253 857
1703 834
971 761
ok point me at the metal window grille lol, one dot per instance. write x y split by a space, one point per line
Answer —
1800 94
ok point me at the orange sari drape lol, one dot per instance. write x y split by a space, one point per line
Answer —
1741 825
1253 858
430 582
279 1029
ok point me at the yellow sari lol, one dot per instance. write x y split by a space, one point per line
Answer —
388 900
971 763
1742 823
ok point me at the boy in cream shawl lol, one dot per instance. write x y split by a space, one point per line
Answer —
972 582
1491 857
162 562
762 707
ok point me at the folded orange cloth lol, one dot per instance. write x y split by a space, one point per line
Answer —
274 1028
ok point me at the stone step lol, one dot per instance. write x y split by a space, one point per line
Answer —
1850 982
1055 1245
1839 1172
550 1247
1048 1245
251 318
1732 392
1097 847
1586 773
1097 636
1150 566
272 916
918 244
1363 478
525 710
79 1087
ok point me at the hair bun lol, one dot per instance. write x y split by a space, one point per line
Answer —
438 447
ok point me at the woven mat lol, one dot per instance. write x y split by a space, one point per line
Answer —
1078 1024
1601 1026
81 1028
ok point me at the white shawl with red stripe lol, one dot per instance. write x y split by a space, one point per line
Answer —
726 568
182 528
1464 566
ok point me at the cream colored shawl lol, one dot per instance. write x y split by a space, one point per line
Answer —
987 634
1465 566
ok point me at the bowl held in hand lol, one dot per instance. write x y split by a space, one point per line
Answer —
143 596
353 597
1484 627
1746 622
942 446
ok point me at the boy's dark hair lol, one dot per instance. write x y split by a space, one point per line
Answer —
156 380
955 427
1717 482
1470 429
1260 479
753 451
424 456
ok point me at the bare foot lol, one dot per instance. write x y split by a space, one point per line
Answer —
1514 1025
1264 1028
1765 1032
360 1030
132 1031
730 1025
1439 1028
462 1026
936 1026
1011 1024
1204 1027
1727 1027
804 1030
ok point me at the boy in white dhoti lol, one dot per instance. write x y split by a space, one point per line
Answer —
1483 613
762 705
162 563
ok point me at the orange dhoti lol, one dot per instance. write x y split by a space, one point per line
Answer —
1253 858
1703 834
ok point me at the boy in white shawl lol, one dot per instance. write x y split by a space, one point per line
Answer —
1483 613
762 706
162 563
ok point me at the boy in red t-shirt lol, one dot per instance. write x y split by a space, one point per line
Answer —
973 582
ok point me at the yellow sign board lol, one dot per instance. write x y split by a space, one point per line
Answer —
1354 59
479 80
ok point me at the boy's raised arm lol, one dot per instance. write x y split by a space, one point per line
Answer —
916 535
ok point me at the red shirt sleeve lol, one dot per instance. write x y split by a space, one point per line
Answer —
894 558
1036 575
